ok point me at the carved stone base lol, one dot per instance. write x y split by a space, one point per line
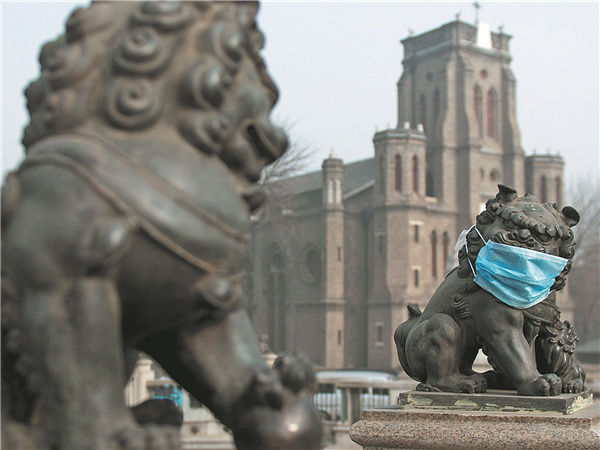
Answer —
450 426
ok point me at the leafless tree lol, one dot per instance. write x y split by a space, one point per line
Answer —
584 279
274 181
292 163
273 216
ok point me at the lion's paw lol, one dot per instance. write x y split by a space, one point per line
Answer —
474 384
149 437
424 387
295 373
546 385
573 387
297 424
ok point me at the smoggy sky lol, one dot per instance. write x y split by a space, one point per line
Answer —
337 65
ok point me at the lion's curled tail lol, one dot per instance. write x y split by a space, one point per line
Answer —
401 334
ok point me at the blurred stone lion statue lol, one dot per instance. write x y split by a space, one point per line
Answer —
126 226
501 299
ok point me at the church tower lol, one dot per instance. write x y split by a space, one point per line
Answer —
332 302
399 211
458 84
354 244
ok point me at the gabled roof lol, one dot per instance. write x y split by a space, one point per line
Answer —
356 175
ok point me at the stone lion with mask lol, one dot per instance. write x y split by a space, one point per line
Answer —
501 299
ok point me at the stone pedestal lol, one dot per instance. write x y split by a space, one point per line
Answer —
481 421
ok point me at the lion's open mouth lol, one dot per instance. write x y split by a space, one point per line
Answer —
262 144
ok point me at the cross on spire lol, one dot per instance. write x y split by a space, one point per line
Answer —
477 6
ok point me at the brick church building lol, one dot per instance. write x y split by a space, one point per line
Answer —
331 270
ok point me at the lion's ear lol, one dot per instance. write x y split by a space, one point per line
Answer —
570 215
506 193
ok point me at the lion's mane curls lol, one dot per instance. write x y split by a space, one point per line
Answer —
167 62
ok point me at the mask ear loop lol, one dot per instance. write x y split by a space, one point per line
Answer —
475 226
467 247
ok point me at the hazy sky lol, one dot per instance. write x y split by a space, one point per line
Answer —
337 65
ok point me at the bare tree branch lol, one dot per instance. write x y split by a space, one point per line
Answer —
292 163
584 279
278 205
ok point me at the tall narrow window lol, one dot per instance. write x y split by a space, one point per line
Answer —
416 174
434 254
379 337
436 106
558 191
416 275
276 301
398 174
381 174
338 191
477 99
423 111
543 189
445 247
417 232
330 191
429 186
491 113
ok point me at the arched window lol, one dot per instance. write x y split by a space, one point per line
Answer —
423 111
495 176
436 106
398 174
416 174
477 107
491 113
334 191
558 190
543 189
434 254
311 269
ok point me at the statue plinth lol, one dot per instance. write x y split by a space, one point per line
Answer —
494 402
425 420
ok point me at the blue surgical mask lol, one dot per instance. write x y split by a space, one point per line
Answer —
517 276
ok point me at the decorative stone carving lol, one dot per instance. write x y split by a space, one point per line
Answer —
126 226
438 346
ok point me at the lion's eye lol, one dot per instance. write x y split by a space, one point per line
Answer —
543 238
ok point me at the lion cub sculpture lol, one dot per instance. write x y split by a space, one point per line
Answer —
501 299
125 229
